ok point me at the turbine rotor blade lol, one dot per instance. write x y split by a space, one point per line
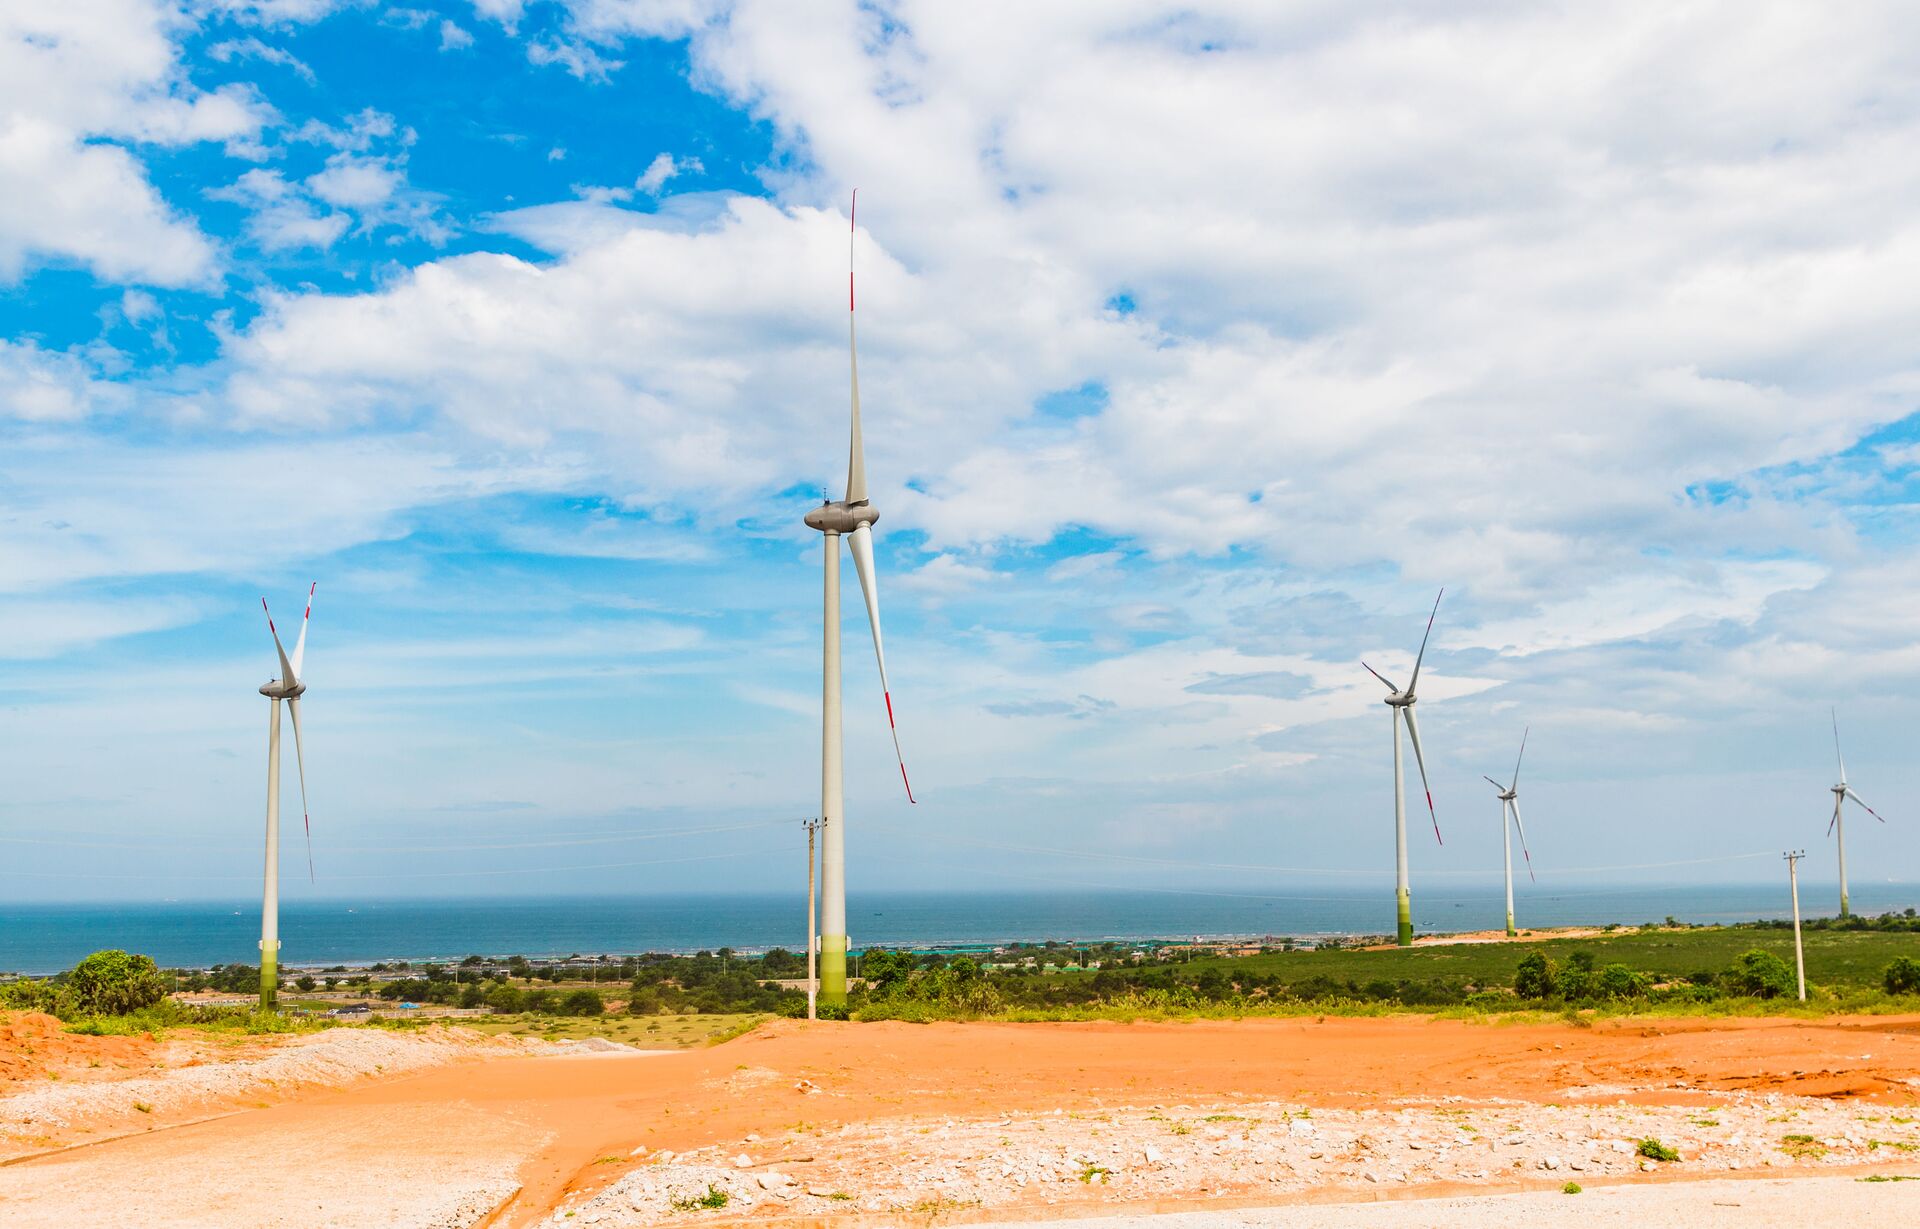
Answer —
1835 821
1413 729
1490 781
1415 680
1521 756
1838 759
300 645
299 758
287 674
1521 825
862 541
1863 802
856 451
1378 675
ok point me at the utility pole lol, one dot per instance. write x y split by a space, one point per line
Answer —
813 941
1799 953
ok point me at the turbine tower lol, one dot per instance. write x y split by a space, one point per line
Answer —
288 687
853 517
1837 827
1510 802
1399 705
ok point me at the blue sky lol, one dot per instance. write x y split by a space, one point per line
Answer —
1202 344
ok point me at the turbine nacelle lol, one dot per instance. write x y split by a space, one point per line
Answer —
839 516
280 689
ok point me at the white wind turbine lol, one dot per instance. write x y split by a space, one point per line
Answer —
853 516
289 687
1836 828
1510 804
1400 704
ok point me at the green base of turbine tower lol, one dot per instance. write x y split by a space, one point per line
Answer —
1511 932
833 970
1845 909
1406 921
269 977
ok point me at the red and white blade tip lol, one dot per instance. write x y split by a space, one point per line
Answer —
1436 819
901 759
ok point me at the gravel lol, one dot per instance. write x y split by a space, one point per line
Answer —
928 1166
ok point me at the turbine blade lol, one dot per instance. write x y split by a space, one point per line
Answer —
1863 802
1835 821
1521 825
856 451
300 758
1378 675
1521 756
1838 759
1490 781
1413 729
300 645
287 674
1415 680
862 539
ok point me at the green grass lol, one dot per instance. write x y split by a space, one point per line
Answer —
1852 959
1654 1150
646 1032
715 1198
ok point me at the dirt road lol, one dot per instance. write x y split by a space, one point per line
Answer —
908 1114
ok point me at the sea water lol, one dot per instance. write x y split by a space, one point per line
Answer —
47 938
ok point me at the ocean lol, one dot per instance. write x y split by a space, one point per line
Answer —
42 939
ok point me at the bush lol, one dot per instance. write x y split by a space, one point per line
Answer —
114 983
1617 981
1533 978
1654 1150
581 1003
1902 976
1761 975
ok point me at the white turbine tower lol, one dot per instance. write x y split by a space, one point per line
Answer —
1400 704
289 687
1837 827
853 516
1510 804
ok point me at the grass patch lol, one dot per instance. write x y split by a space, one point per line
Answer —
1802 1147
713 1200
1654 1150
1888 1178
645 1032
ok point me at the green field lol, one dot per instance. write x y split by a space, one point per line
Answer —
645 1032
1834 958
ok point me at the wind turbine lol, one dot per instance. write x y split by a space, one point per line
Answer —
854 517
1510 802
1400 704
1837 828
289 687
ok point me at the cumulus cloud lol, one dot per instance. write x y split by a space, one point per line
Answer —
73 81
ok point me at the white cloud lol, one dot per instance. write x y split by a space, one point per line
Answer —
74 78
355 183
453 38
283 219
664 167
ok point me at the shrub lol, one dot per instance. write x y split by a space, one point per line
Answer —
1571 1188
1902 976
113 983
1761 975
1654 1150
581 1002
1533 978
1617 981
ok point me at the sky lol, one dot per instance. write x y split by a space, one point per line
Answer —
1202 344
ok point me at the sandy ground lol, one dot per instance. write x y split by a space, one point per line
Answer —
1715 1205
1011 1122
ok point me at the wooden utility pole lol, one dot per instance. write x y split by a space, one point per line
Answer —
1799 953
813 918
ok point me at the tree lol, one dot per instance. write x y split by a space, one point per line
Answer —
113 983
1533 977
581 1002
886 972
1902 976
306 983
505 998
1761 975
1617 981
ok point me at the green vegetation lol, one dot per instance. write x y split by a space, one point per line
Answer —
1901 976
1802 1147
1571 1188
715 1198
1654 1150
